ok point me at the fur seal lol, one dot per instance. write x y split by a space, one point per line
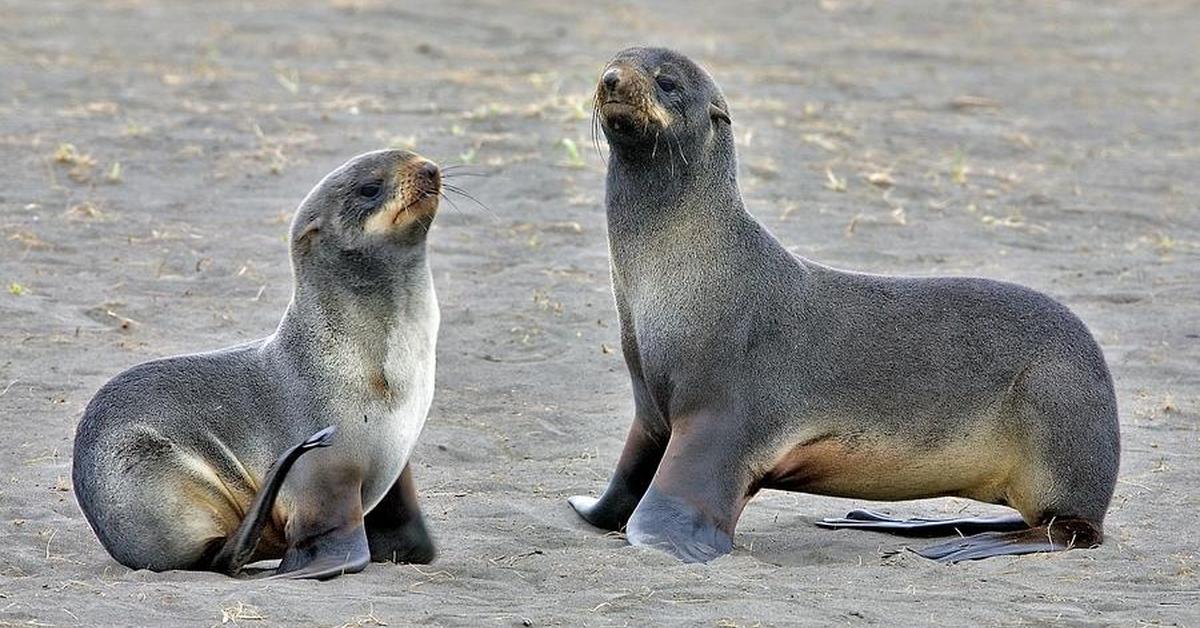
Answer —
753 368
173 462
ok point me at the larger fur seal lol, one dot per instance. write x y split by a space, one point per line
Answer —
180 463
753 368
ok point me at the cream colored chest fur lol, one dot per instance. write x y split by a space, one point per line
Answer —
383 409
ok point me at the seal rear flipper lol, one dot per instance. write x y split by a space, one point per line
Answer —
636 468
239 547
1056 536
396 529
922 527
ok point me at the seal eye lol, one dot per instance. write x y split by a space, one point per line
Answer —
666 83
370 190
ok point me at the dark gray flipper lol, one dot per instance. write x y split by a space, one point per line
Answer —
396 529
327 536
1056 536
922 527
980 537
239 547
691 508
335 552
635 469
673 525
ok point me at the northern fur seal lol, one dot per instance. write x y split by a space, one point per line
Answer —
173 458
753 368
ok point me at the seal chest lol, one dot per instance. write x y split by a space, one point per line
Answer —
401 401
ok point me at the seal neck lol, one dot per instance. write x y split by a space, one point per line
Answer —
334 318
692 192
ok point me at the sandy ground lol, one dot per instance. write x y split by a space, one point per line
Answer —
1057 147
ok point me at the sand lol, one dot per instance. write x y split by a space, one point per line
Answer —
1056 146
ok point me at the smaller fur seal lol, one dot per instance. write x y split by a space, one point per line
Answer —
753 368
212 460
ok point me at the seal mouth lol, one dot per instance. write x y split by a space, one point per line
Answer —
425 203
611 108
421 203
623 117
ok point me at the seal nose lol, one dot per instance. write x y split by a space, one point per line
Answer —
611 78
430 174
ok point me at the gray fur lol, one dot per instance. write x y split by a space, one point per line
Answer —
361 305
719 319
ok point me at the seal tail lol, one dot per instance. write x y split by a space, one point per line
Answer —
241 544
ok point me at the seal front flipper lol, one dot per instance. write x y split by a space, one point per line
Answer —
922 527
680 527
325 532
1055 536
338 551
635 469
326 536
396 529
697 495
241 544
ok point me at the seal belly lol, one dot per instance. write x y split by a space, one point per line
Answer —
887 468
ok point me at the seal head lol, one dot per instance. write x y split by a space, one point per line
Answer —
366 221
647 96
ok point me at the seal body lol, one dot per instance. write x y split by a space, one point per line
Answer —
753 368
171 455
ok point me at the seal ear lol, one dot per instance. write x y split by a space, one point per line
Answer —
717 112
305 239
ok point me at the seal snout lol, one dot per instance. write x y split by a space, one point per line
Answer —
618 85
420 186
417 187
427 181
626 101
